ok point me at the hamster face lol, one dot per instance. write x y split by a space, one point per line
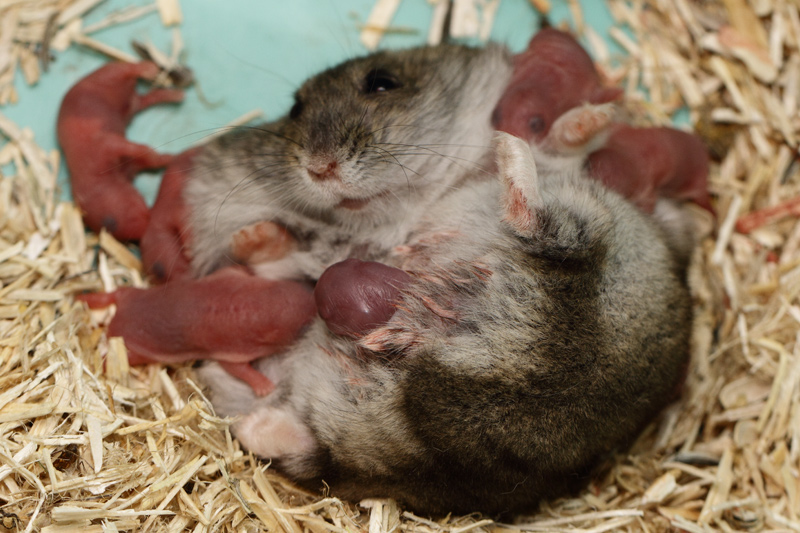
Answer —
367 146
389 128
353 165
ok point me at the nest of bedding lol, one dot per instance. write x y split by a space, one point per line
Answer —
89 444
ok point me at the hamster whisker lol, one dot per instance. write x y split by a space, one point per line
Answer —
381 151
274 133
456 160
360 123
256 178
234 162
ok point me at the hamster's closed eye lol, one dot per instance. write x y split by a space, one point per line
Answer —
537 124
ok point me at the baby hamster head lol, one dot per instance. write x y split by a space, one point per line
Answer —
378 133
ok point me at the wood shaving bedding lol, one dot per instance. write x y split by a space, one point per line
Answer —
88 443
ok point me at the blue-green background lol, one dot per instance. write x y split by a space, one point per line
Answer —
250 54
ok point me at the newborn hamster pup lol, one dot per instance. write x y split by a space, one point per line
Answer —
102 162
367 147
545 321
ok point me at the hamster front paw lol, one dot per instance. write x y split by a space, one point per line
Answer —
261 242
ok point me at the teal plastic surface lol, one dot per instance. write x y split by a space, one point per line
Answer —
249 54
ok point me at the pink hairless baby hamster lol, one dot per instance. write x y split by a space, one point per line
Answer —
165 242
230 316
644 164
552 76
101 161
556 100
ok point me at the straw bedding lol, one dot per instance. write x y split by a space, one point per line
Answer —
89 444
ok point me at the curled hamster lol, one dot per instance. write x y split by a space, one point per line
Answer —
545 321
644 164
230 316
553 75
366 149
102 162
556 100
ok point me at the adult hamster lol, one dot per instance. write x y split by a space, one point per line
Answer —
546 321
366 149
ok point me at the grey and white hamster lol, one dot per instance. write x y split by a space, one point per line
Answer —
546 320
367 147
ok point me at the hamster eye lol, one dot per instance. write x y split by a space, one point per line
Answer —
296 109
536 124
379 80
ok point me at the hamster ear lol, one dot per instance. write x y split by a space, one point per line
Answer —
516 168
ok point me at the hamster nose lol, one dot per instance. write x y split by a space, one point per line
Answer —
323 171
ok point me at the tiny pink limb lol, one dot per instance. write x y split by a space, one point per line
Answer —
164 242
761 217
140 156
102 163
97 300
157 96
260 383
580 130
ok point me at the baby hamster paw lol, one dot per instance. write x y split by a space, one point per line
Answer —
261 242
272 432
580 130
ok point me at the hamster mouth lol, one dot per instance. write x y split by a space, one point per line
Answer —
355 204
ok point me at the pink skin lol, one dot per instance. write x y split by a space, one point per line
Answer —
164 242
261 242
755 219
355 297
644 164
230 316
102 162
553 75
556 79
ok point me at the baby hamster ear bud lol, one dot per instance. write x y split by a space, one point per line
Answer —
517 170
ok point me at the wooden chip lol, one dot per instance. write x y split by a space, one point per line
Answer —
170 11
465 19
543 6
379 19
119 251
